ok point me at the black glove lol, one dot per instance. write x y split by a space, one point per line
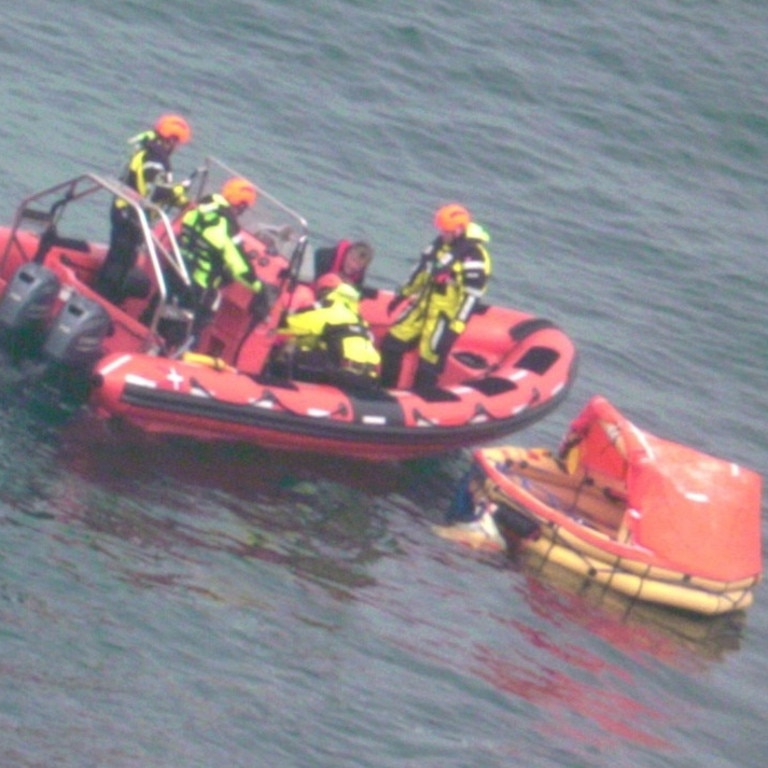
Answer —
395 302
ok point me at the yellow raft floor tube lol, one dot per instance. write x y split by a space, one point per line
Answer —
629 578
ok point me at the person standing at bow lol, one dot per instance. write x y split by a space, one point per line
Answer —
148 172
445 287
212 248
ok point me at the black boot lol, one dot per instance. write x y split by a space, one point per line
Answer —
392 352
426 377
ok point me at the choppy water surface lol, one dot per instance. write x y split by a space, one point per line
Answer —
167 603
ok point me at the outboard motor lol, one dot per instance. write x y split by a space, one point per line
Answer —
77 332
25 308
73 345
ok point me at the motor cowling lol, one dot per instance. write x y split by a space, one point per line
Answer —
77 332
28 298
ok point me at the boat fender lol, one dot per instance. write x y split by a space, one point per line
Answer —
216 363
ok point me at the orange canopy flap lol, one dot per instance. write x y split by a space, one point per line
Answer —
698 514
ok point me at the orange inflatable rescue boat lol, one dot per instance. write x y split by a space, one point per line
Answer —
649 518
129 360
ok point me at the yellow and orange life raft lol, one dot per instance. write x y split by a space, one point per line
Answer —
649 518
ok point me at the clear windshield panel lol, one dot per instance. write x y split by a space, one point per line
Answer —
270 221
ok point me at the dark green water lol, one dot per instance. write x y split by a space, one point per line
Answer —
168 604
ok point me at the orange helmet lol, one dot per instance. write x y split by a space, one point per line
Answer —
238 191
328 282
452 217
173 127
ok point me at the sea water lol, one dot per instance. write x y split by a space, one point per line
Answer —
166 604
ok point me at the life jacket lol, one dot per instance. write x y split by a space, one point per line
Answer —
204 234
450 278
148 171
334 324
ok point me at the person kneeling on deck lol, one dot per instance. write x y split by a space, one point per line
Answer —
334 337
211 245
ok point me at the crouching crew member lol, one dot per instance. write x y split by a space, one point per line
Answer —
334 328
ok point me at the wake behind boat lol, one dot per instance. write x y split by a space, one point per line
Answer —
507 370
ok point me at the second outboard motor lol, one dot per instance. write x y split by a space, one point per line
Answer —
25 308
71 349
77 332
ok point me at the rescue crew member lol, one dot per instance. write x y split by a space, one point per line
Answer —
347 258
334 327
148 172
445 287
211 245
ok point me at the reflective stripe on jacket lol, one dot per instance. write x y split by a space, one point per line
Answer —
148 171
334 324
457 271
211 243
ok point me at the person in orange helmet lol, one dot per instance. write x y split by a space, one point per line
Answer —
211 245
444 289
148 172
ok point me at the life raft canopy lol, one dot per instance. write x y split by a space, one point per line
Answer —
697 511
